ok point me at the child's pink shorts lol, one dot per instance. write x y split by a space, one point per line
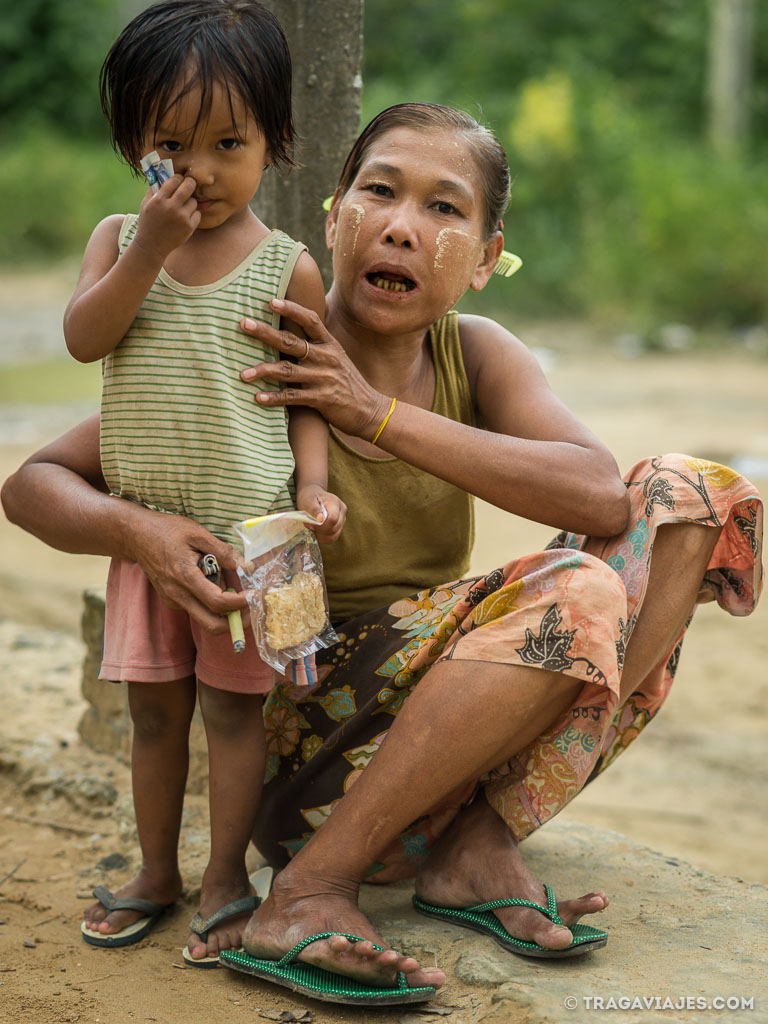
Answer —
147 642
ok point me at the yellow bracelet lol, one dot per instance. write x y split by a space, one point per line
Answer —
384 422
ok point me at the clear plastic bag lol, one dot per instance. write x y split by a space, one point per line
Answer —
282 576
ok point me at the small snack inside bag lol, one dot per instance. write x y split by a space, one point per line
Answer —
282 576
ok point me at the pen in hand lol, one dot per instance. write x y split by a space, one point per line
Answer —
210 568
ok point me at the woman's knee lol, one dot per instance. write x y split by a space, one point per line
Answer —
603 585
687 541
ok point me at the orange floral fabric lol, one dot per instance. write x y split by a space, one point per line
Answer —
570 608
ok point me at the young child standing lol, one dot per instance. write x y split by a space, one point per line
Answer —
206 84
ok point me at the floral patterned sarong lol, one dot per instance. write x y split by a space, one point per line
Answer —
570 608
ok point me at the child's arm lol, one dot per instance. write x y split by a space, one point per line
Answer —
307 430
308 433
110 291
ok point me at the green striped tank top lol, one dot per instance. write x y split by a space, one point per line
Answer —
180 432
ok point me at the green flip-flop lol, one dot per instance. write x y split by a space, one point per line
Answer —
481 918
317 983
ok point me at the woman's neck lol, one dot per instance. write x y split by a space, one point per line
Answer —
397 365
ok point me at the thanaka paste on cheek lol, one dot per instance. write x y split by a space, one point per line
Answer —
351 218
450 242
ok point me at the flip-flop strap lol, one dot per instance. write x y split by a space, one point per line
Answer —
550 911
111 902
293 954
201 926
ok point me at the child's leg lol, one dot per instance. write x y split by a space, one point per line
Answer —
161 713
236 755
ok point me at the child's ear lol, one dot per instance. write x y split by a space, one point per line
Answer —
488 259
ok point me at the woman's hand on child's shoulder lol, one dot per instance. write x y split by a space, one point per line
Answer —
168 217
328 509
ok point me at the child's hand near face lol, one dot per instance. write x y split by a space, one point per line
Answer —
168 217
110 291
328 509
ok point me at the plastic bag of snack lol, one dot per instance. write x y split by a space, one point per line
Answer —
282 576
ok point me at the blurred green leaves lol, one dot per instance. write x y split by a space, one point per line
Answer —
618 209
50 55
54 189
58 174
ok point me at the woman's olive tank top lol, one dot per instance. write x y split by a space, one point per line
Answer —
406 530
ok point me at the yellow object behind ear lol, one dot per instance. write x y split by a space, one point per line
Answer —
507 264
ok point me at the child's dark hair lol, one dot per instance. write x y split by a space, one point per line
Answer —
177 45
488 152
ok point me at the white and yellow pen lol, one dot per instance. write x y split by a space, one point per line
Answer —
210 567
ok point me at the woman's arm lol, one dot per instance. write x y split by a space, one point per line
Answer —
59 496
530 456
569 477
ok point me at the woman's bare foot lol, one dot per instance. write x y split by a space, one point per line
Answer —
162 888
477 860
300 906
214 894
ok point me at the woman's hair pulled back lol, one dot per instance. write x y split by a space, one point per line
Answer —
177 45
488 152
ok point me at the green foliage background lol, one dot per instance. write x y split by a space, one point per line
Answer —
619 209
50 53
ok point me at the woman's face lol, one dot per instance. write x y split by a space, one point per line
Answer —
407 238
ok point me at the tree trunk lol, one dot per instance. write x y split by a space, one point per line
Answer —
730 73
326 42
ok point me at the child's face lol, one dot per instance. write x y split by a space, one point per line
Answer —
225 154
407 237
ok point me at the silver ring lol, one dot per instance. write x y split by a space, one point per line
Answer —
302 358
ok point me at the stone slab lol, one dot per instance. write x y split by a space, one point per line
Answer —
675 933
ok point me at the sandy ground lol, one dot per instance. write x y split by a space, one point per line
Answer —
694 786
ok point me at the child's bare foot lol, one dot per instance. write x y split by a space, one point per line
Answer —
228 933
161 888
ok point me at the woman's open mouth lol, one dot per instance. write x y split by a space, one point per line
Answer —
390 282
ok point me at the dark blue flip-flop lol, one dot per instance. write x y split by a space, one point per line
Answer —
261 883
201 926
131 933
